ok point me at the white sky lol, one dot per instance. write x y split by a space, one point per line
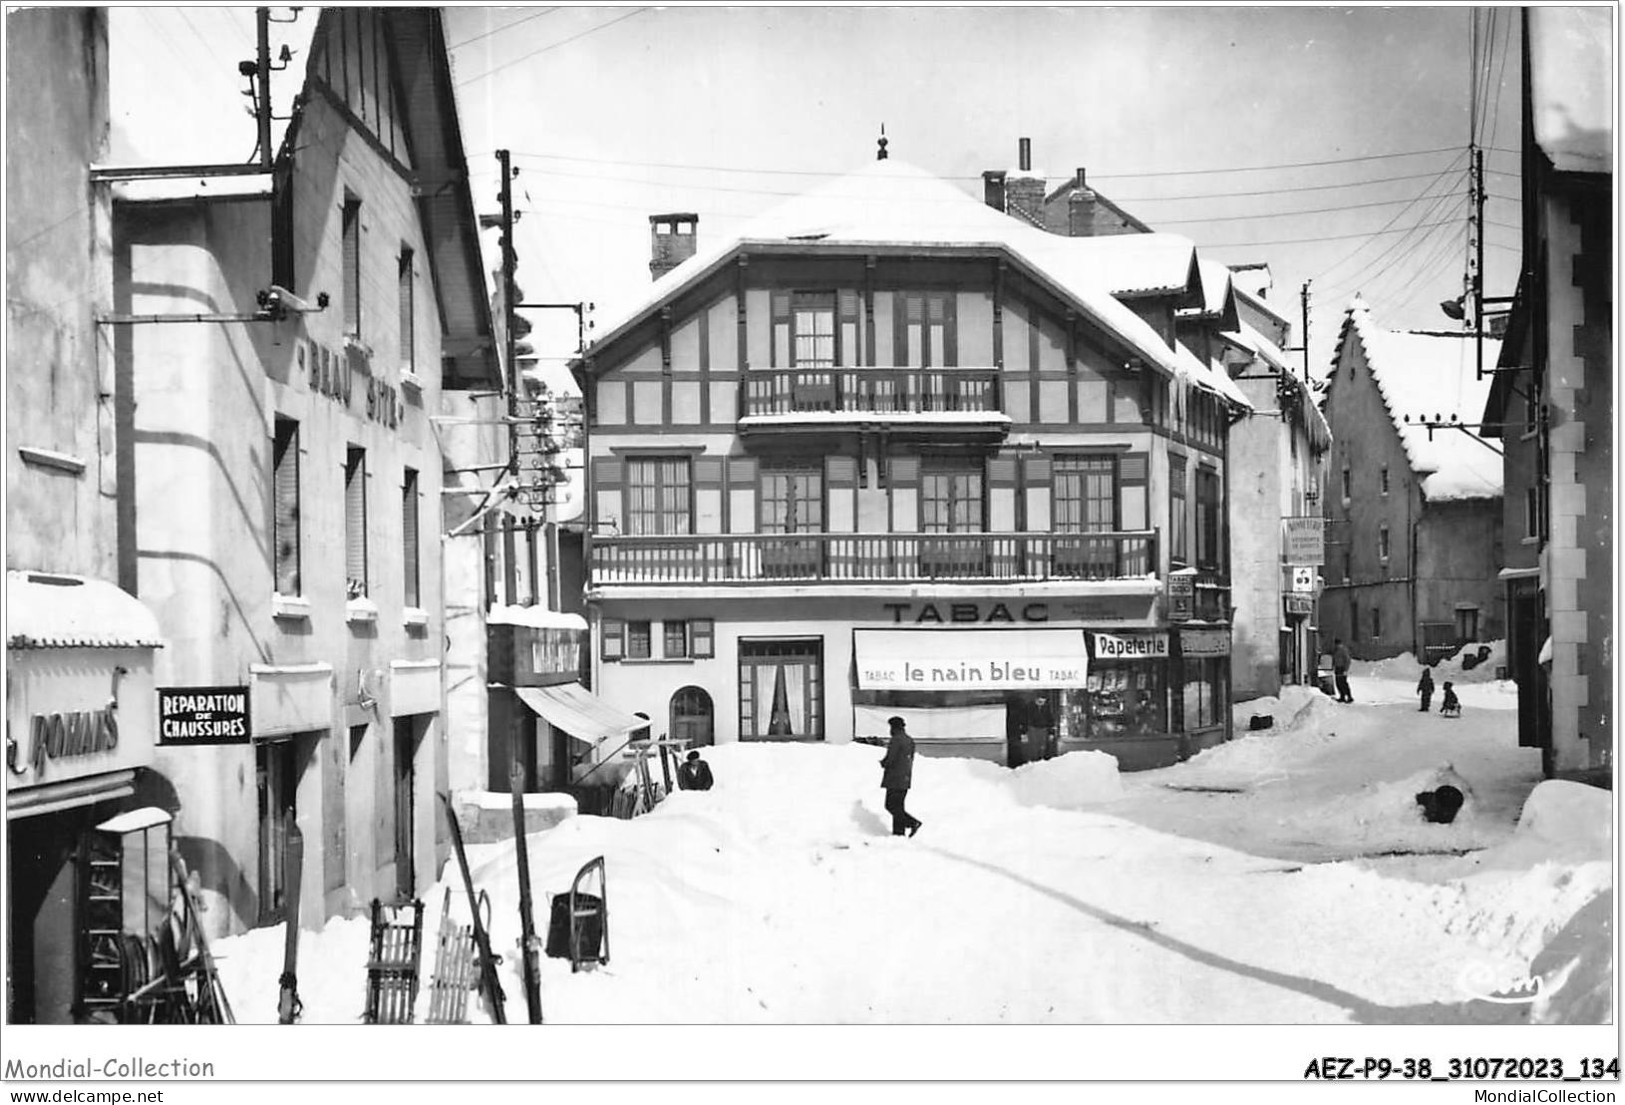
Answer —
616 113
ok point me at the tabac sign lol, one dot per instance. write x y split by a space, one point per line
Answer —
969 659
1304 539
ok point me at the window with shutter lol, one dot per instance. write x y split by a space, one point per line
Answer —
813 321
351 234
409 536
1178 518
355 522
612 639
285 507
702 638
404 296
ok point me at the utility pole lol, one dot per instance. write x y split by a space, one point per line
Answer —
262 109
510 371
1303 296
1478 259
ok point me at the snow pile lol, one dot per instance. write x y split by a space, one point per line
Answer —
1562 812
1576 969
1070 782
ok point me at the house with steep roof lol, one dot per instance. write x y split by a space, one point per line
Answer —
1413 502
285 332
1277 448
1551 402
888 452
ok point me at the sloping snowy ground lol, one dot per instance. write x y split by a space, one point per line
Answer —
1285 877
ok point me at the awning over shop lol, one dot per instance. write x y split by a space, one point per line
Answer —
69 794
47 610
962 724
578 712
969 659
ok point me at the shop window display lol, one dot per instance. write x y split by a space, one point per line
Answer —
1120 700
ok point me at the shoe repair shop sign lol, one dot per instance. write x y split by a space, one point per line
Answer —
203 715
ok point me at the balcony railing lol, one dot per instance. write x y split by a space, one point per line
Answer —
901 391
868 557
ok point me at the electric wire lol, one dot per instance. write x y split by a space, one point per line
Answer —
1453 167
554 46
499 30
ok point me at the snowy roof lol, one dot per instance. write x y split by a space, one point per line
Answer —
170 63
1142 264
1571 61
1216 287
1211 375
46 610
1433 378
1248 337
535 617
890 204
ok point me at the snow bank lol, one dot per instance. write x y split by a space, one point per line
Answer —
1576 969
1073 781
1406 668
1574 814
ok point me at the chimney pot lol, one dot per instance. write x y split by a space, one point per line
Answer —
1082 181
673 239
1026 146
993 189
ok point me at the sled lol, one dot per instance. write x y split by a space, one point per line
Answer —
578 928
455 973
393 956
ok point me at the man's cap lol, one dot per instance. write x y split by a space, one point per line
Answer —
896 722
694 754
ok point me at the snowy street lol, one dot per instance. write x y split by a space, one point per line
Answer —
1287 877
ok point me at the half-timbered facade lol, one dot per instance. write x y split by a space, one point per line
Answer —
889 452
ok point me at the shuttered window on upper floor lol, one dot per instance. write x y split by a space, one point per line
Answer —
409 537
355 522
285 505
350 231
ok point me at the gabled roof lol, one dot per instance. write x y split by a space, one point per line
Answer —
890 206
167 64
1067 187
1432 378
1136 265
1571 65
1262 348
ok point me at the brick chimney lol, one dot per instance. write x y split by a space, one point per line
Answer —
673 239
1024 188
993 189
1080 208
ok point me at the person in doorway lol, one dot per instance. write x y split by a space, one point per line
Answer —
897 775
1340 670
1425 689
695 774
1451 706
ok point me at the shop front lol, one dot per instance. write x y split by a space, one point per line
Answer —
80 707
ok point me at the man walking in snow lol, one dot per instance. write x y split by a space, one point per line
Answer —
1340 670
897 775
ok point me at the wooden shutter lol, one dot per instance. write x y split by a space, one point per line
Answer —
612 639
409 536
352 264
780 355
1131 470
849 329
404 294
285 507
702 638
355 521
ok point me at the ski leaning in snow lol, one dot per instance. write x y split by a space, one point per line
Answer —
288 1006
490 985
527 924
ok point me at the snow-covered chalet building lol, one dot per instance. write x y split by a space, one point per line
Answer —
1551 405
888 451
1413 495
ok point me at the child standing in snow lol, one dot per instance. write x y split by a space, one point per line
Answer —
1451 706
1425 689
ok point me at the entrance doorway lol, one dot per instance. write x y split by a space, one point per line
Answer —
691 717
276 783
405 779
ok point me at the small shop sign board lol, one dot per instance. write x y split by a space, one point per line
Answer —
1305 540
1130 646
1181 595
1204 642
203 715
1299 604
1303 579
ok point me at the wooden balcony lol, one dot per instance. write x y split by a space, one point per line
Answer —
967 397
852 558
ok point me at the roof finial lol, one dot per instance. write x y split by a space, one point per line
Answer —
881 156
